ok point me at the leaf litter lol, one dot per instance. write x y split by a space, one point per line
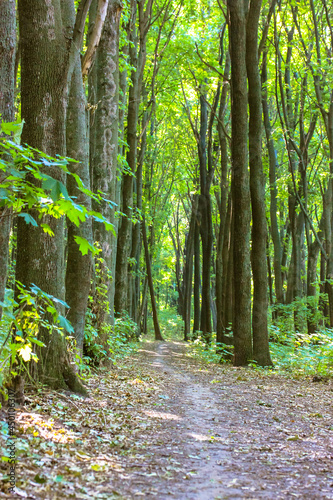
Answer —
163 425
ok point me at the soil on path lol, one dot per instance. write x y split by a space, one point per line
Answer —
183 430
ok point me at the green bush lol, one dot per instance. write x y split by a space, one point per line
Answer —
21 323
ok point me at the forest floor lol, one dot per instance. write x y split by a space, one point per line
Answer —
163 425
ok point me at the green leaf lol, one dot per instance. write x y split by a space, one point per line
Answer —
47 229
55 187
28 219
65 324
14 128
36 341
84 245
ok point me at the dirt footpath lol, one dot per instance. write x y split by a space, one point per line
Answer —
240 435
165 426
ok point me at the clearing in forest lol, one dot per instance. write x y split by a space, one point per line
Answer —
166 426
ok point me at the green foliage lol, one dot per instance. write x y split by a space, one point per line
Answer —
21 323
121 341
209 353
25 184
302 354
28 190
295 316
171 325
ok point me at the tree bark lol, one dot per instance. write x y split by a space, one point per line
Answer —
273 190
7 75
240 185
221 255
257 187
158 335
197 279
46 69
78 265
188 272
137 61
205 220
104 91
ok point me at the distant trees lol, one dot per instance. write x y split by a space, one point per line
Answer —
206 131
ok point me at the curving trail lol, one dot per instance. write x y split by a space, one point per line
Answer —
161 425
238 435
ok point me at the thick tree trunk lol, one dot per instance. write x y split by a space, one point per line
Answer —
104 139
257 186
78 264
7 67
240 185
40 258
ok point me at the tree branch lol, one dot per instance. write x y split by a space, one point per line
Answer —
88 57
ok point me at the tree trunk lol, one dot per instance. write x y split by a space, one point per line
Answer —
197 280
158 335
104 139
78 265
257 186
7 67
227 277
188 273
273 190
240 185
137 61
45 71
205 221
221 255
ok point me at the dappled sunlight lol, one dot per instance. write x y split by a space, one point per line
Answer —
148 352
162 415
40 426
202 437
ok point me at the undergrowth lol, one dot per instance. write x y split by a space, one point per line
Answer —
209 353
296 355
303 354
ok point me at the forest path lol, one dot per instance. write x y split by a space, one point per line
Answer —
238 435
162 425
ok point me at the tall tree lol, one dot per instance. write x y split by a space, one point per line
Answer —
77 147
257 187
7 67
104 95
137 56
240 184
47 65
